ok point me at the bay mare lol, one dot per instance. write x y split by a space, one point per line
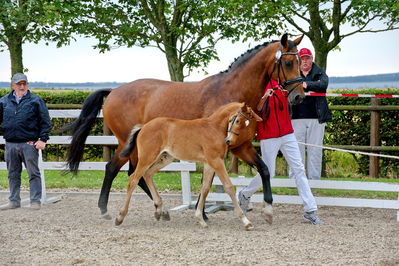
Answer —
204 140
142 100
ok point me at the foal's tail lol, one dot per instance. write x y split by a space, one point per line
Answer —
131 141
81 127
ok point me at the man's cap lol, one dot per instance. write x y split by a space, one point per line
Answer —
305 52
18 77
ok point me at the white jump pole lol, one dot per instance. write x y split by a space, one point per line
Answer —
44 199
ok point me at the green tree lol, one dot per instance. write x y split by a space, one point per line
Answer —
186 31
322 21
24 21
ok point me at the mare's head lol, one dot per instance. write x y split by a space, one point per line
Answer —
242 126
286 68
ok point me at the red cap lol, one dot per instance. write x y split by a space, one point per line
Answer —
305 52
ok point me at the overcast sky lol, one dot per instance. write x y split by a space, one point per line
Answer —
361 54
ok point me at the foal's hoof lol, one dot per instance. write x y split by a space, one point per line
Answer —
106 216
249 227
165 216
157 216
117 221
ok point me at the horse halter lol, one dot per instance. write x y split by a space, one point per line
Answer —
279 54
234 119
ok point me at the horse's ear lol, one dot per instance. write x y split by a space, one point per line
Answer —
244 107
298 40
284 40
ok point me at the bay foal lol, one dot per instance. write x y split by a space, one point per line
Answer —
202 140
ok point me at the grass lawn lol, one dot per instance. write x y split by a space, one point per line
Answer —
171 182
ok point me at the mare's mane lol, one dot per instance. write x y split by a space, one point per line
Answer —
246 56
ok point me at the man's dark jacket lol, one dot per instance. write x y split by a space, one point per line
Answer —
317 81
27 121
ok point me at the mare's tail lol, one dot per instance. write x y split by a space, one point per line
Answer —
81 127
130 142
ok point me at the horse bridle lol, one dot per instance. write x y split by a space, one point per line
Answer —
234 119
279 54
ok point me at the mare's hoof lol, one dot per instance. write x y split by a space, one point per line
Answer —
268 217
267 212
117 221
106 216
205 225
165 216
157 216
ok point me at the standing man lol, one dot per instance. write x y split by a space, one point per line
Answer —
26 126
309 117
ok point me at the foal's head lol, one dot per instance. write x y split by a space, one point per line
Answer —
286 68
242 126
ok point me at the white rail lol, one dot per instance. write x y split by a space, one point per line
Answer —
242 182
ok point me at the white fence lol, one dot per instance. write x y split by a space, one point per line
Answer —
241 182
185 167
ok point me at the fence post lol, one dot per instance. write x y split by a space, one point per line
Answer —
374 137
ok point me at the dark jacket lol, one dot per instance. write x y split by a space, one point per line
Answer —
317 81
27 121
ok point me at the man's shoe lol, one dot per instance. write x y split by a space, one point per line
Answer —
9 207
250 207
244 202
35 206
312 218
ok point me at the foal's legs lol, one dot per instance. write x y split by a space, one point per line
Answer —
144 163
207 178
163 160
218 165
133 181
211 176
132 165
111 170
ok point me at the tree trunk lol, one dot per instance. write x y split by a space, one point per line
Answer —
15 48
321 59
318 34
321 52
174 65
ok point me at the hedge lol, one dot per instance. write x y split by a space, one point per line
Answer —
353 128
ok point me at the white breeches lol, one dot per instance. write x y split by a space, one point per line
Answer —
289 147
